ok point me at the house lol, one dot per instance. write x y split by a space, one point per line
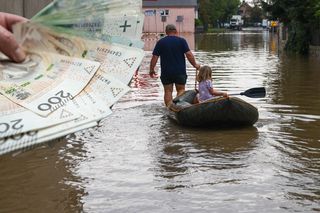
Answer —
245 10
159 13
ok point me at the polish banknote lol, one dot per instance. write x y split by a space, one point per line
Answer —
91 107
45 81
63 7
16 119
117 64
81 58
32 138
111 21
115 59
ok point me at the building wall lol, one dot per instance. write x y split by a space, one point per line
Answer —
26 8
245 10
154 22
150 40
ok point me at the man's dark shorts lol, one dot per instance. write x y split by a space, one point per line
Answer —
176 79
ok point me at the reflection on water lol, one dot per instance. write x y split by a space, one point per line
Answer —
196 151
253 41
42 179
137 160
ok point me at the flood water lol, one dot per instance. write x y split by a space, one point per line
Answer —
137 160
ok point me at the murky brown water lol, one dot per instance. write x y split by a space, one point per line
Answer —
137 160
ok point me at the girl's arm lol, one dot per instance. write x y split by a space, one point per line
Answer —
217 93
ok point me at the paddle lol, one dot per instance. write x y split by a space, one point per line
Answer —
258 92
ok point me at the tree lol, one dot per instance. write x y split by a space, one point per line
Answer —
230 8
317 10
204 13
299 16
213 12
256 14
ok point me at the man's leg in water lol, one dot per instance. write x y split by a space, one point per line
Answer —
168 89
180 89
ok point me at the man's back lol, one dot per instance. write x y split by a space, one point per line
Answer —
171 50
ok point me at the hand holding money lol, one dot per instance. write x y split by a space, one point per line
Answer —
11 48
77 66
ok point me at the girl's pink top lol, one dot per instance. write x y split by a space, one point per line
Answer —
204 87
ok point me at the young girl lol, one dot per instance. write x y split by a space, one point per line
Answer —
206 90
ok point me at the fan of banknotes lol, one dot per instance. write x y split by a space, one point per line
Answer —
81 56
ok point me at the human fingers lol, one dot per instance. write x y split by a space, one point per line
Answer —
9 46
7 20
152 73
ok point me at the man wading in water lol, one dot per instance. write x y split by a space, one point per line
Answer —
172 51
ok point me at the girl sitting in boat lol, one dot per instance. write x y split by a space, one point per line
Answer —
206 90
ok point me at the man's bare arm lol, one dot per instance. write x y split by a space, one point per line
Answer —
153 63
192 60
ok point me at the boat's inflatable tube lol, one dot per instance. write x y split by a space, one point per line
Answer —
218 112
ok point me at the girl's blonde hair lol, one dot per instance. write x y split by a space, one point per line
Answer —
205 73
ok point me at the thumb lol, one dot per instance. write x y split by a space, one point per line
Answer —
10 47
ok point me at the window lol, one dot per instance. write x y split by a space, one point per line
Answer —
179 19
150 12
164 12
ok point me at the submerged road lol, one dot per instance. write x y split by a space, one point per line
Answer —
137 160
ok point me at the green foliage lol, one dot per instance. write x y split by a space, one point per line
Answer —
317 14
216 30
300 16
204 12
213 11
230 8
256 14
198 22
298 39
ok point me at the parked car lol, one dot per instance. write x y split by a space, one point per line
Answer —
236 22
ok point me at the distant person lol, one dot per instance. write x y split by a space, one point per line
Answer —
206 90
172 51
8 44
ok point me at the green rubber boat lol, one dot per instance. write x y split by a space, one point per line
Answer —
218 112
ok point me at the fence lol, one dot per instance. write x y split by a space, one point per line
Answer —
26 8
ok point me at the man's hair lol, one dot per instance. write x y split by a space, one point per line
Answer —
170 28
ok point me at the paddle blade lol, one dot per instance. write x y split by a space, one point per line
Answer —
258 92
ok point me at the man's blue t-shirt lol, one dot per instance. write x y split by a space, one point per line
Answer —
171 50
